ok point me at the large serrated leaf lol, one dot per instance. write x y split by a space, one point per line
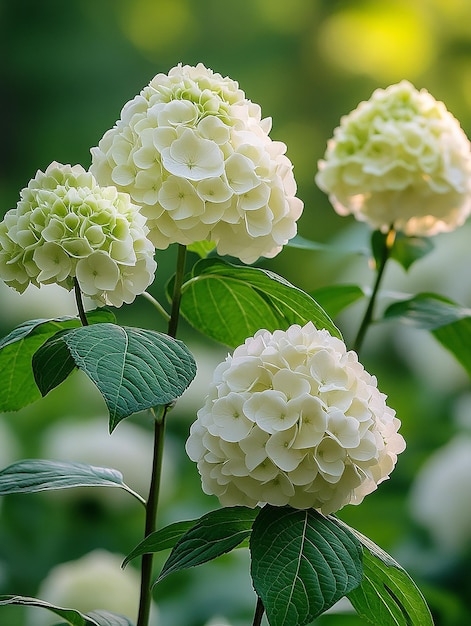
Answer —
134 369
387 594
73 617
302 563
214 534
230 302
32 475
18 386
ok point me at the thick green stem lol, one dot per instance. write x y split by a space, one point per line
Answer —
259 611
79 301
159 432
368 316
151 517
177 291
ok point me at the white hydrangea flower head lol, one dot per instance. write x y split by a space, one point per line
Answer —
402 160
194 152
66 225
292 418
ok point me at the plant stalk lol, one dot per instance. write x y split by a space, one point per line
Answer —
381 266
259 611
151 517
79 301
159 432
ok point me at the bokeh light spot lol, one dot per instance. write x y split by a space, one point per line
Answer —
387 41
157 27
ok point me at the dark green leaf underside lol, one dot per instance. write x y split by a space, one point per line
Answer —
73 617
214 534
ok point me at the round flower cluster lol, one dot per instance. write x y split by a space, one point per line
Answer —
64 226
402 160
196 155
292 418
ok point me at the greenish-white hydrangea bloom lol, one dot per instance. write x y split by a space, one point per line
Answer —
402 160
292 418
194 152
66 226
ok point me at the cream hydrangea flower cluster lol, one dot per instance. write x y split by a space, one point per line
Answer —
196 155
400 159
64 226
292 418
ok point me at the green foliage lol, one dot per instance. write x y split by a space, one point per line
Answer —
202 248
405 250
449 323
230 303
387 594
73 617
335 298
214 534
16 352
34 475
161 539
302 563
134 369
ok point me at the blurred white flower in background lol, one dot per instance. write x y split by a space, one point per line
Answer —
95 581
128 449
66 226
292 418
197 156
399 159
440 498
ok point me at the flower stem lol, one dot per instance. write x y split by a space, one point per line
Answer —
151 517
388 244
79 301
177 291
259 611
159 432
157 305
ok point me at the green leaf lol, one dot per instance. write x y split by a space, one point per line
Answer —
134 369
407 250
18 386
73 617
428 311
230 302
387 594
449 323
302 563
307 244
52 363
162 539
335 298
214 534
202 248
34 475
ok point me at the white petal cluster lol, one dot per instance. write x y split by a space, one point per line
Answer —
292 418
400 159
196 155
64 226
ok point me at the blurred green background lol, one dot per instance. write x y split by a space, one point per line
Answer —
67 68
